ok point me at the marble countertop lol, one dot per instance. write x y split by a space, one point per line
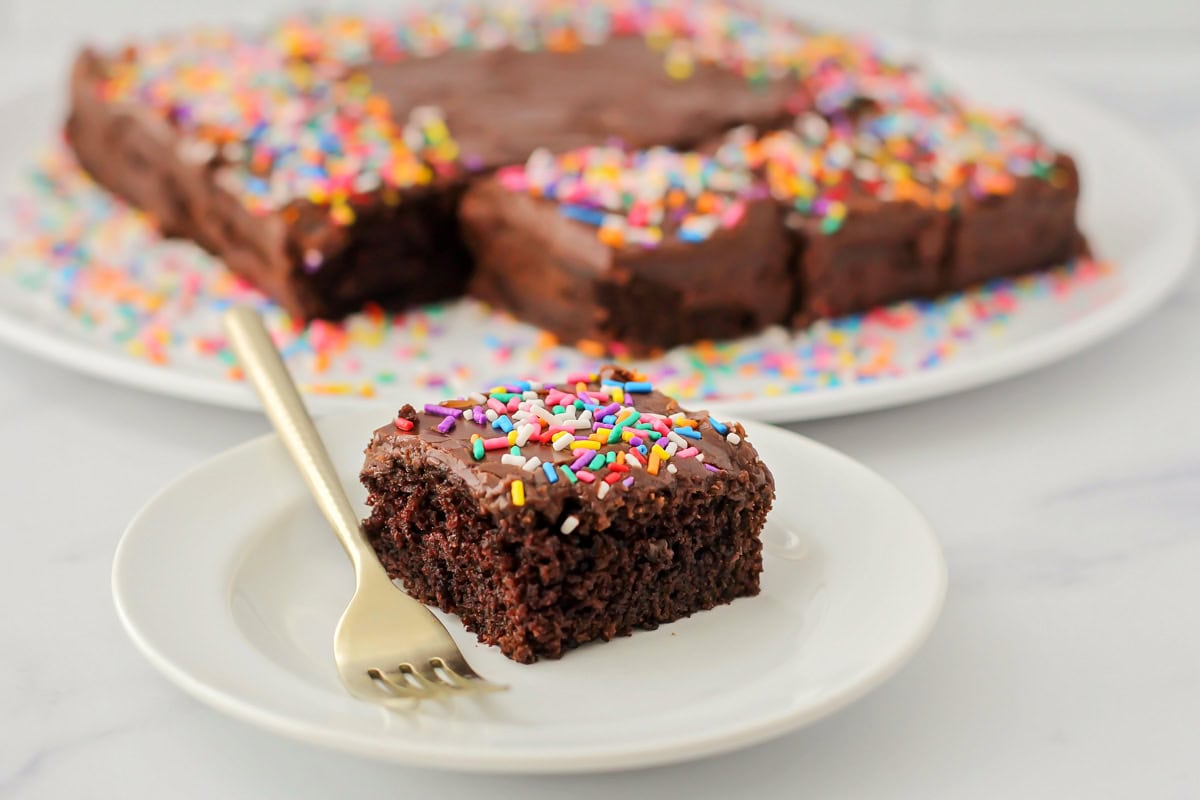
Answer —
1066 664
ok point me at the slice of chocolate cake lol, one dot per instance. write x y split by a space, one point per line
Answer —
649 249
549 516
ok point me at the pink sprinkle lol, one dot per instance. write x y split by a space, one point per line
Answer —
687 453
586 477
496 443
496 405
579 377
733 215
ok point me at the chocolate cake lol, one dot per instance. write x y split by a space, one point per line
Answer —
549 516
558 161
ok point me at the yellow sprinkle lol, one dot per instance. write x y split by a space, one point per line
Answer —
618 395
518 492
661 453
586 444
559 435
512 437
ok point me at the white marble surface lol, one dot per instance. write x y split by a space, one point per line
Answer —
1067 663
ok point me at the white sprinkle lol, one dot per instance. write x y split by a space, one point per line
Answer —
632 463
196 151
529 394
524 432
570 411
699 456
677 439
521 415
581 424
571 522
536 386
491 415
672 448
563 442
733 438
602 489
513 459
477 398
676 416
671 468
532 464
545 414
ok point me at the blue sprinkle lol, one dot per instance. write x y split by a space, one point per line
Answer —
690 433
589 216
639 387
503 423
551 473
717 426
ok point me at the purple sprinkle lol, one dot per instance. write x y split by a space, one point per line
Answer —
611 408
636 441
711 468
628 482
478 415
598 425
582 461
442 411
447 425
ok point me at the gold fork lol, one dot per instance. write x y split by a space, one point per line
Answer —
389 648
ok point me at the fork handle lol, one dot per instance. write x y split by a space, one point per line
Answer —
265 368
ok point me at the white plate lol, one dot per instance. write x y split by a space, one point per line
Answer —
1136 210
231 585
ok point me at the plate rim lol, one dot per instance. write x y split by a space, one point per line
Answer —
528 760
1177 251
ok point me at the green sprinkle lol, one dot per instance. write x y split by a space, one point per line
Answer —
557 410
614 435
504 397
477 449
516 451
597 462
830 225
610 457
570 475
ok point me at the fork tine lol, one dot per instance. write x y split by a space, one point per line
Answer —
434 687
465 678
401 689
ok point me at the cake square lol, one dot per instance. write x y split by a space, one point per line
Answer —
645 250
546 517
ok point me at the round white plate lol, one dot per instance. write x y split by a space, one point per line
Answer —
231 585
1136 211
